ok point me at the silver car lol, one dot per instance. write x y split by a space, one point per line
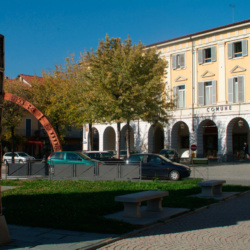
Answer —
19 157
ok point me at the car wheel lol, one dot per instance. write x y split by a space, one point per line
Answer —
21 161
174 175
5 162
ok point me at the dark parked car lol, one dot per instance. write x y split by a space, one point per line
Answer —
171 154
104 156
123 154
155 165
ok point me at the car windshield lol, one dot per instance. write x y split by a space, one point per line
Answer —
164 158
171 152
135 158
106 155
85 157
22 154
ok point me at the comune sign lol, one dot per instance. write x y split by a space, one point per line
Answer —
193 147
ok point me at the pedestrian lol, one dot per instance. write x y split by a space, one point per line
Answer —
246 153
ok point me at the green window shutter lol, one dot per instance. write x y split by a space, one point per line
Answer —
174 61
213 54
230 50
230 90
175 95
214 101
241 88
201 93
182 60
244 47
200 56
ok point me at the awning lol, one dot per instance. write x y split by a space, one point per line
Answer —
36 143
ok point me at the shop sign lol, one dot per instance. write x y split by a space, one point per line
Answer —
219 109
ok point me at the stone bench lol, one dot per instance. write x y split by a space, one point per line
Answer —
132 202
211 188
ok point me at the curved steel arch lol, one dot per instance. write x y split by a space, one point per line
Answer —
39 116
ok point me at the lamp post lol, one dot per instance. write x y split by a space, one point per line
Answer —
4 232
240 123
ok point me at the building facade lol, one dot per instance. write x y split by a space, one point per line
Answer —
209 75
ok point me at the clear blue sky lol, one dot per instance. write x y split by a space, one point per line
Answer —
40 34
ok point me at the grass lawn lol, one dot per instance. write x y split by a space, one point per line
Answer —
81 205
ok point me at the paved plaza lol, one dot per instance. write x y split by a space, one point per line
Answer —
222 226
225 225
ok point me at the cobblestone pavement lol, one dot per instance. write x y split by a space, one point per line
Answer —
221 226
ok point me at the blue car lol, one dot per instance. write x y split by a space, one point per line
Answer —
155 165
67 157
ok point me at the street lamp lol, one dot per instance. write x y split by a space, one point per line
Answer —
240 123
182 125
4 232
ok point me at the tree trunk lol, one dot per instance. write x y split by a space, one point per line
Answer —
90 147
12 144
128 139
118 139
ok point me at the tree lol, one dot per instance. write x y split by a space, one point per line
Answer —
126 82
53 97
13 114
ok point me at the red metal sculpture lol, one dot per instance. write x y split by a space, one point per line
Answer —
39 116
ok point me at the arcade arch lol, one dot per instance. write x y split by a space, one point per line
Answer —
155 138
207 139
124 132
95 139
180 137
109 139
237 134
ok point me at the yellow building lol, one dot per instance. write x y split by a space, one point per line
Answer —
208 74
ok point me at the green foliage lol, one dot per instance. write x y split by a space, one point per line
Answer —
126 81
13 114
121 81
54 95
82 205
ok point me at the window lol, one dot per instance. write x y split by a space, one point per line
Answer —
207 93
28 127
236 89
57 155
72 157
136 158
237 49
154 159
178 61
207 55
180 96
